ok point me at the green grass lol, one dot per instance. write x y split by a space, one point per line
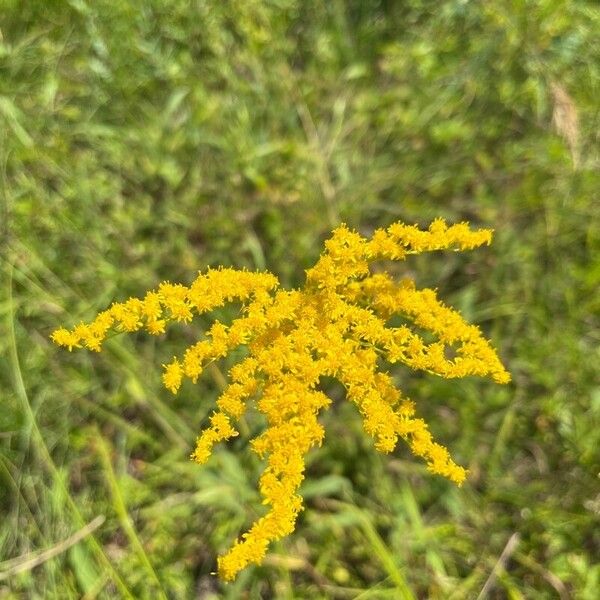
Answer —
142 141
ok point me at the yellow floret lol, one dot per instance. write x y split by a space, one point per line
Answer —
172 376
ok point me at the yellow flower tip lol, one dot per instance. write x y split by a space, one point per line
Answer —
181 311
66 338
502 377
221 425
458 475
58 336
204 446
152 309
156 327
228 568
192 366
438 226
93 343
172 376
200 455
488 235
386 444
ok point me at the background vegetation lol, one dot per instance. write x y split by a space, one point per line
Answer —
144 140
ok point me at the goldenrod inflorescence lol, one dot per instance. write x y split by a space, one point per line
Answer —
334 326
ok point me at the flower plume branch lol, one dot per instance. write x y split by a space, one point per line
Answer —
334 326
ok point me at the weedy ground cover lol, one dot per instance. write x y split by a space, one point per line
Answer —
139 141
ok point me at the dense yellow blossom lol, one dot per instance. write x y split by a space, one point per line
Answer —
335 326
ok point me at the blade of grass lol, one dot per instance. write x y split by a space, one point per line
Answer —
39 445
123 514
135 433
169 421
433 558
85 570
512 592
5 470
386 558
97 587
35 559
550 577
381 551
509 549
504 432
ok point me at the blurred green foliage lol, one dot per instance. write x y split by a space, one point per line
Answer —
144 140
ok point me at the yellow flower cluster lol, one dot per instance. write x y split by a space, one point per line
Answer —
335 326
